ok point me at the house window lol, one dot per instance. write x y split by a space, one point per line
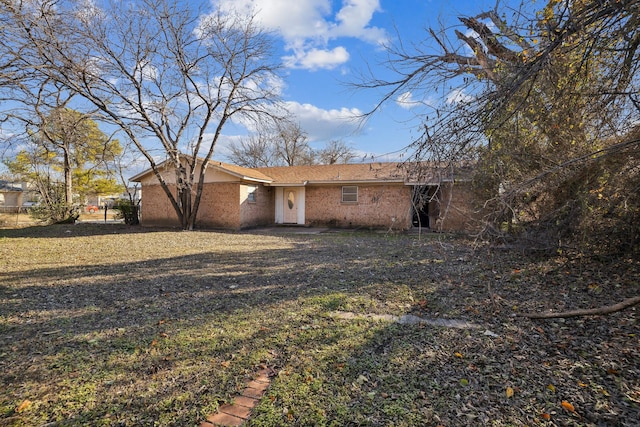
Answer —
251 193
350 194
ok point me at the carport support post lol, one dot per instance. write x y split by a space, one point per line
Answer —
105 212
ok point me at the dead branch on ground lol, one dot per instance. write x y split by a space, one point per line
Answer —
629 302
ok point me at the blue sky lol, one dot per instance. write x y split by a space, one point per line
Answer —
326 43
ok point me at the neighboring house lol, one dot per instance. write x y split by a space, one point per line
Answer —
373 195
11 195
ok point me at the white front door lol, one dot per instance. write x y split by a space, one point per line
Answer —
290 206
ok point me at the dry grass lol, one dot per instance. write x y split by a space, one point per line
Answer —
112 325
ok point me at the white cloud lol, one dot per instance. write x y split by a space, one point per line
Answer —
222 150
315 59
458 95
353 20
308 26
406 100
292 19
324 125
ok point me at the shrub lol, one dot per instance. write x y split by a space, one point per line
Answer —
128 211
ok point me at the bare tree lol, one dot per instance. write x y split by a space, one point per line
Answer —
171 78
286 145
254 151
292 147
545 102
282 144
335 151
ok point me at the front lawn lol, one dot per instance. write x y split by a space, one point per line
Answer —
118 326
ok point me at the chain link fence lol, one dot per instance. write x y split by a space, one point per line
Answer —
15 216
18 216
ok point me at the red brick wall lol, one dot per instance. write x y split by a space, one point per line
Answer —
220 206
260 212
457 210
156 210
377 207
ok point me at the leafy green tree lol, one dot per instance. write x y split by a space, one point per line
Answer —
68 159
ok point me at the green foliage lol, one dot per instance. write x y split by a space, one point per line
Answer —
68 159
128 211
78 146
52 208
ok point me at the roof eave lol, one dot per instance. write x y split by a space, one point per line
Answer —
286 184
238 175
262 181
334 182
357 181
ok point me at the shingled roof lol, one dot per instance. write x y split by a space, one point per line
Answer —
408 173
241 172
337 173
6 186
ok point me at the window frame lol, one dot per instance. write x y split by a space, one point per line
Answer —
252 193
350 194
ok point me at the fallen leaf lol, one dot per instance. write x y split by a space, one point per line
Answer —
509 392
464 381
24 405
612 371
362 379
545 416
225 364
457 354
581 384
552 388
568 406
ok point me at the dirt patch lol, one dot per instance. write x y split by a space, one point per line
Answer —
112 325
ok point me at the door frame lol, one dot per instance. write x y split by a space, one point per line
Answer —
281 200
289 207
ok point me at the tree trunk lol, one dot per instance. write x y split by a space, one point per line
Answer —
68 178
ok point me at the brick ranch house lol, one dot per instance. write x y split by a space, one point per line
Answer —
372 195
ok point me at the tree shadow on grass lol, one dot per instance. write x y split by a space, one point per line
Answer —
137 340
164 341
75 230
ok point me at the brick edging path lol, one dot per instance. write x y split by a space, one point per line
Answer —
236 413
